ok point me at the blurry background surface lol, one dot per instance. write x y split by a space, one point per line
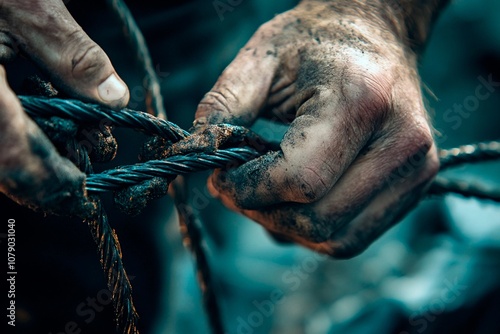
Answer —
438 271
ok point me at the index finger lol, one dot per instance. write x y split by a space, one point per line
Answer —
318 147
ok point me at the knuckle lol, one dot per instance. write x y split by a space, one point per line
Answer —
370 88
217 100
418 158
7 48
216 105
85 56
419 144
307 184
367 91
432 165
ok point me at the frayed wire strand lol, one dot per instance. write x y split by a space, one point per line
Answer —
192 235
118 178
110 254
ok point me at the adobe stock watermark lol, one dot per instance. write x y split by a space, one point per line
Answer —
454 116
429 313
223 6
404 171
462 111
293 280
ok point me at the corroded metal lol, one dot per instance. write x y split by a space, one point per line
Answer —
175 152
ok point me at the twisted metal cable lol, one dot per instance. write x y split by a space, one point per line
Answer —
122 177
87 113
119 178
191 230
130 175
117 280
190 225
443 186
154 99
110 253
480 152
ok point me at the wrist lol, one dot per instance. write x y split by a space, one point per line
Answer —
409 20
418 17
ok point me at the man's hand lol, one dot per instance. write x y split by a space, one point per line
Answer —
31 171
359 151
45 32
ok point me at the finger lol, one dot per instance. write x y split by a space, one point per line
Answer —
49 35
242 90
322 230
7 48
387 162
385 211
318 147
31 171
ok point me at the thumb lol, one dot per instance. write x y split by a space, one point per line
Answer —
49 35
242 89
31 171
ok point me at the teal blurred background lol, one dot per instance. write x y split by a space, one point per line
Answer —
438 271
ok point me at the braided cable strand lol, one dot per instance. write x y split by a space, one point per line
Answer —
87 113
190 224
122 177
192 234
116 179
480 152
109 249
129 175
442 186
117 280
104 236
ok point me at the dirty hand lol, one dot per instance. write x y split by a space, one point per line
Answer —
31 171
359 151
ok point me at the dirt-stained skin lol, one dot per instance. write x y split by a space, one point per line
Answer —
31 170
344 73
341 72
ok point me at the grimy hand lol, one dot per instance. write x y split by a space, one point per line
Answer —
31 171
359 151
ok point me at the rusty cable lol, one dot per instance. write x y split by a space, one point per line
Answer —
192 235
472 153
109 250
190 162
107 241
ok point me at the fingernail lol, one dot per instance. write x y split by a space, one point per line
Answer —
111 89
199 124
200 121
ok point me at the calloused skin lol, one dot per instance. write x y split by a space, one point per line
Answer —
344 73
31 171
